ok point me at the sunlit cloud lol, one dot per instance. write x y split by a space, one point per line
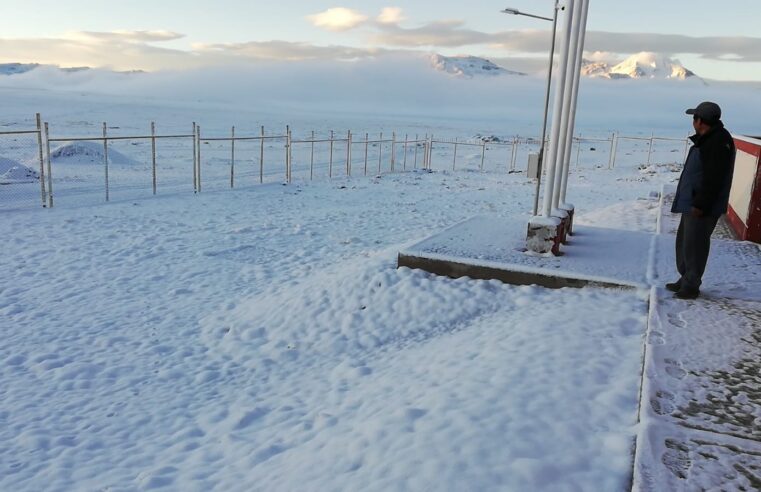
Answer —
390 15
338 19
286 50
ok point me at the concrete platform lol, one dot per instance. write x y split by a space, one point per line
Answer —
486 247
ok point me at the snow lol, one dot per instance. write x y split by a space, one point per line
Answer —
468 66
263 338
643 65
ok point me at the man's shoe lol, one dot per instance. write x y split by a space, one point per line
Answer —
687 294
674 286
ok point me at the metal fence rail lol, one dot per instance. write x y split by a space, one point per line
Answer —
136 166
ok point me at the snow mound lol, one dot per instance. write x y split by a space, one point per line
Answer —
87 152
468 66
643 65
19 174
12 172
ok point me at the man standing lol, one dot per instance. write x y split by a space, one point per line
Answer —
702 196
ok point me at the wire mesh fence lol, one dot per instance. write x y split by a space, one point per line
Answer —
38 168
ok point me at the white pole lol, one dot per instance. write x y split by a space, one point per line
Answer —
153 155
566 137
42 163
105 157
195 163
584 11
556 112
50 167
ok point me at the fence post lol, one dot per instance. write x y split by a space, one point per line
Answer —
232 157
311 160
153 155
261 157
348 153
42 162
50 170
367 140
650 149
454 159
483 155
430 153
380 151
330 162
393 150
198 145
195 161
404 162
105 157
414 165
514 153
287 153
686 147
613 150
578 151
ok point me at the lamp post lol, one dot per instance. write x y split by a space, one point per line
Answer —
554 21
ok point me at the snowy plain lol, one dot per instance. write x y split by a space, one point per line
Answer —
262 338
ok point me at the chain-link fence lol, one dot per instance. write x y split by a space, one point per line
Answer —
40 168
22 172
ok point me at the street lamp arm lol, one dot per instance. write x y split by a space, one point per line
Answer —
518 12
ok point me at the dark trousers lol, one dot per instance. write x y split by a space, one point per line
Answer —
693 243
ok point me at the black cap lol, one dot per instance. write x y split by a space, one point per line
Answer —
706 111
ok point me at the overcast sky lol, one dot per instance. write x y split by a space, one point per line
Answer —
715 40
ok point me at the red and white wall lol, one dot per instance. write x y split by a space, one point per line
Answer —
744 212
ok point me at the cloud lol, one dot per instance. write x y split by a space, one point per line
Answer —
338 19
435 34
286 50
124 36
390 15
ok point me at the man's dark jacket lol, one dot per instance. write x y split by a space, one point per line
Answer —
707 175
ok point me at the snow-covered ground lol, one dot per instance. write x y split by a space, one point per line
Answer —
262 338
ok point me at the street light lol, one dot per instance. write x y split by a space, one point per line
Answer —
518 12
554 21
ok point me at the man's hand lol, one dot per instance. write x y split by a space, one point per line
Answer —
696 212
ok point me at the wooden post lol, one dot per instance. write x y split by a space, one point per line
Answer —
195 161
454 160
50 170
404 162
686 147
330 162
514 154
650 149
105 157
578 152
367 140
430 153
416 146
153 155
287 149
311 160
483 155
261 157
348 153
612 150
393 150
232 157
198 146
380 151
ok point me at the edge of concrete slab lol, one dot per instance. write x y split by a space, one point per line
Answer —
455 269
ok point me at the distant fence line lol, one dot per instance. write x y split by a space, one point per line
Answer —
423 146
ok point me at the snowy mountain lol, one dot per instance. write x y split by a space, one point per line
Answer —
15 68
19 68
644 65
468 66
